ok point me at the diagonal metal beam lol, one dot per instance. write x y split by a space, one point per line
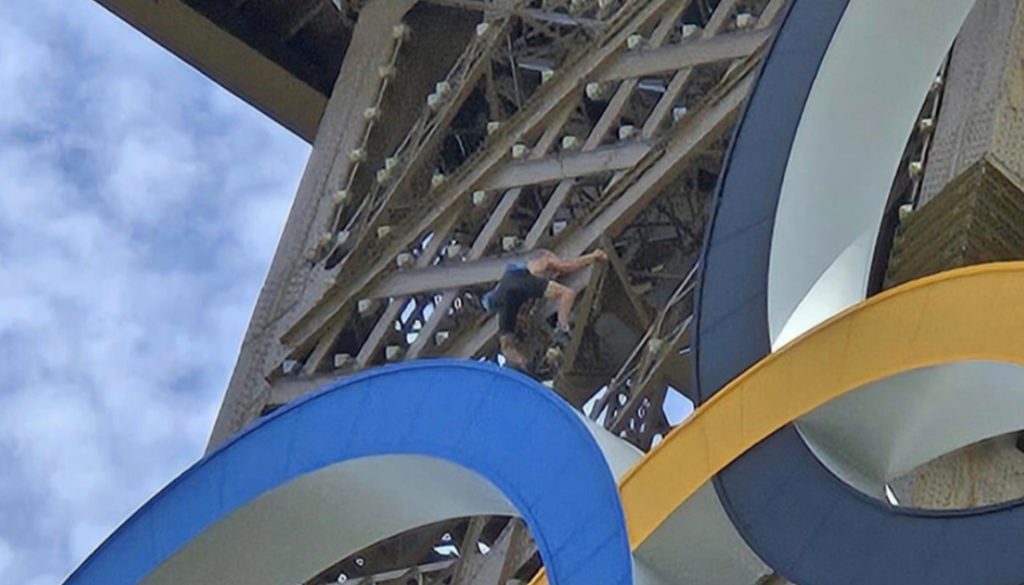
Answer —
619 268
385 324
719 19
421 143
521 548
468 552
583 311
443 277
556 18
306 14
494 221
492 271
652 377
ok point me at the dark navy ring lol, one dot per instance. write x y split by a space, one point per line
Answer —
800 518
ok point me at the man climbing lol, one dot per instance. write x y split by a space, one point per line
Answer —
534 279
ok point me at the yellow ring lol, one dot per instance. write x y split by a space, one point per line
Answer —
975 313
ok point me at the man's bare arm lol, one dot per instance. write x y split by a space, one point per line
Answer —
571 265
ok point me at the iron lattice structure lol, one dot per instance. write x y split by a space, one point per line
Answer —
566 125
451 136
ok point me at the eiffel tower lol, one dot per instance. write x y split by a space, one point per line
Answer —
450 137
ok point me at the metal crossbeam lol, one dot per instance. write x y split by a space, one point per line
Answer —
646 63
556 18
665 164
567 165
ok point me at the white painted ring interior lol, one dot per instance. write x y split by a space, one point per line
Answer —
860 111
889 428
863 104
294 532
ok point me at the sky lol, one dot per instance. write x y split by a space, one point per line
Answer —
140 204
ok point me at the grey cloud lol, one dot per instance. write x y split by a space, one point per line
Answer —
139 207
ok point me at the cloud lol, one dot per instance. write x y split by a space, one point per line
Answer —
139 208
6 556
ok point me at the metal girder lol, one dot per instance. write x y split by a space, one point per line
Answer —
378 334
322 349
645 63
556 18
706 48
307 321
422 569
583 312
495 221
468 551
341 129
686 140
521 548
308 13
422 141
285 390
495 566
770 12
695 131
619 268
408 553
567 165
662 109
385 323
644 183
443 277
632 400
641 381
609 117
419 145
383 327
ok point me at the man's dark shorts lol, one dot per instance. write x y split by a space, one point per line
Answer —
516 287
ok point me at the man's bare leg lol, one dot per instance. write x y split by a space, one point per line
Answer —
565 297
510 350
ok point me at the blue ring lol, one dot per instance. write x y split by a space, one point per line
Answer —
793 513
507 428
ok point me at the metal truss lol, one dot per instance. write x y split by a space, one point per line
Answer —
566 125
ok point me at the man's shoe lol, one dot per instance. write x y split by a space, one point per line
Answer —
561 337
